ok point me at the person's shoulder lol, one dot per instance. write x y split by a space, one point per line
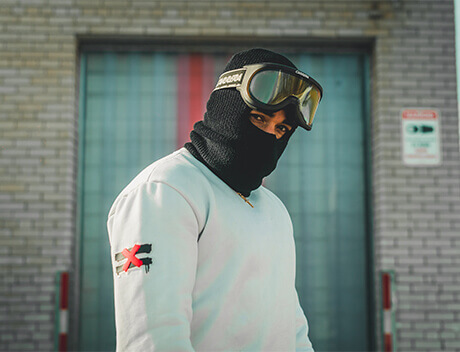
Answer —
175 169
268 193
272 197
178 170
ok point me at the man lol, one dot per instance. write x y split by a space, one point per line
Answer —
203 255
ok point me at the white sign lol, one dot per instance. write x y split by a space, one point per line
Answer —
420 137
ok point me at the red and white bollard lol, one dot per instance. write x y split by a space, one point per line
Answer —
62 315
388 312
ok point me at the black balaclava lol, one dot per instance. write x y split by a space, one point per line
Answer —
227 142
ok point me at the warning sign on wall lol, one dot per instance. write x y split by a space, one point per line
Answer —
420 137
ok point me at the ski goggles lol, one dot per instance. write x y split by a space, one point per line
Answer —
271 87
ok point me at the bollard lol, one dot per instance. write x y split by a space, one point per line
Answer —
62 309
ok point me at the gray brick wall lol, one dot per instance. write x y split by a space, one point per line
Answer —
416 210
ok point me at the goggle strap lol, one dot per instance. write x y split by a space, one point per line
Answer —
231 79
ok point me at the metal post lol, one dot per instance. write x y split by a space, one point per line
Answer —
388 312
62 309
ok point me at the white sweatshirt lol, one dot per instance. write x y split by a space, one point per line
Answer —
222 273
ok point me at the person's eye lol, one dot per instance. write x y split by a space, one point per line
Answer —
258 118
283 128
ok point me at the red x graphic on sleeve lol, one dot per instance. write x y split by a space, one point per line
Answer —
131 257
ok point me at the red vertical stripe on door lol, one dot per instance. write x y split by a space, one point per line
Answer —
195 83
196 90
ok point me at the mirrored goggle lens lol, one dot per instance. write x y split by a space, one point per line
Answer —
272 87
309 104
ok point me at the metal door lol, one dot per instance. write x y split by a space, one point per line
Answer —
137 107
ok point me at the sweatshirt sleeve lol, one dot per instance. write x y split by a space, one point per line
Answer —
302 341
153 234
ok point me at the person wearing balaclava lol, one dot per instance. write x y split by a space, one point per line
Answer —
228 143
203 255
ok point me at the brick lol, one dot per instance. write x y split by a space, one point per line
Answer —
428 344
452 344
448 335
450 270
441 316
412 316
439 261
21 346
172 22
438 242
425 270
453 288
